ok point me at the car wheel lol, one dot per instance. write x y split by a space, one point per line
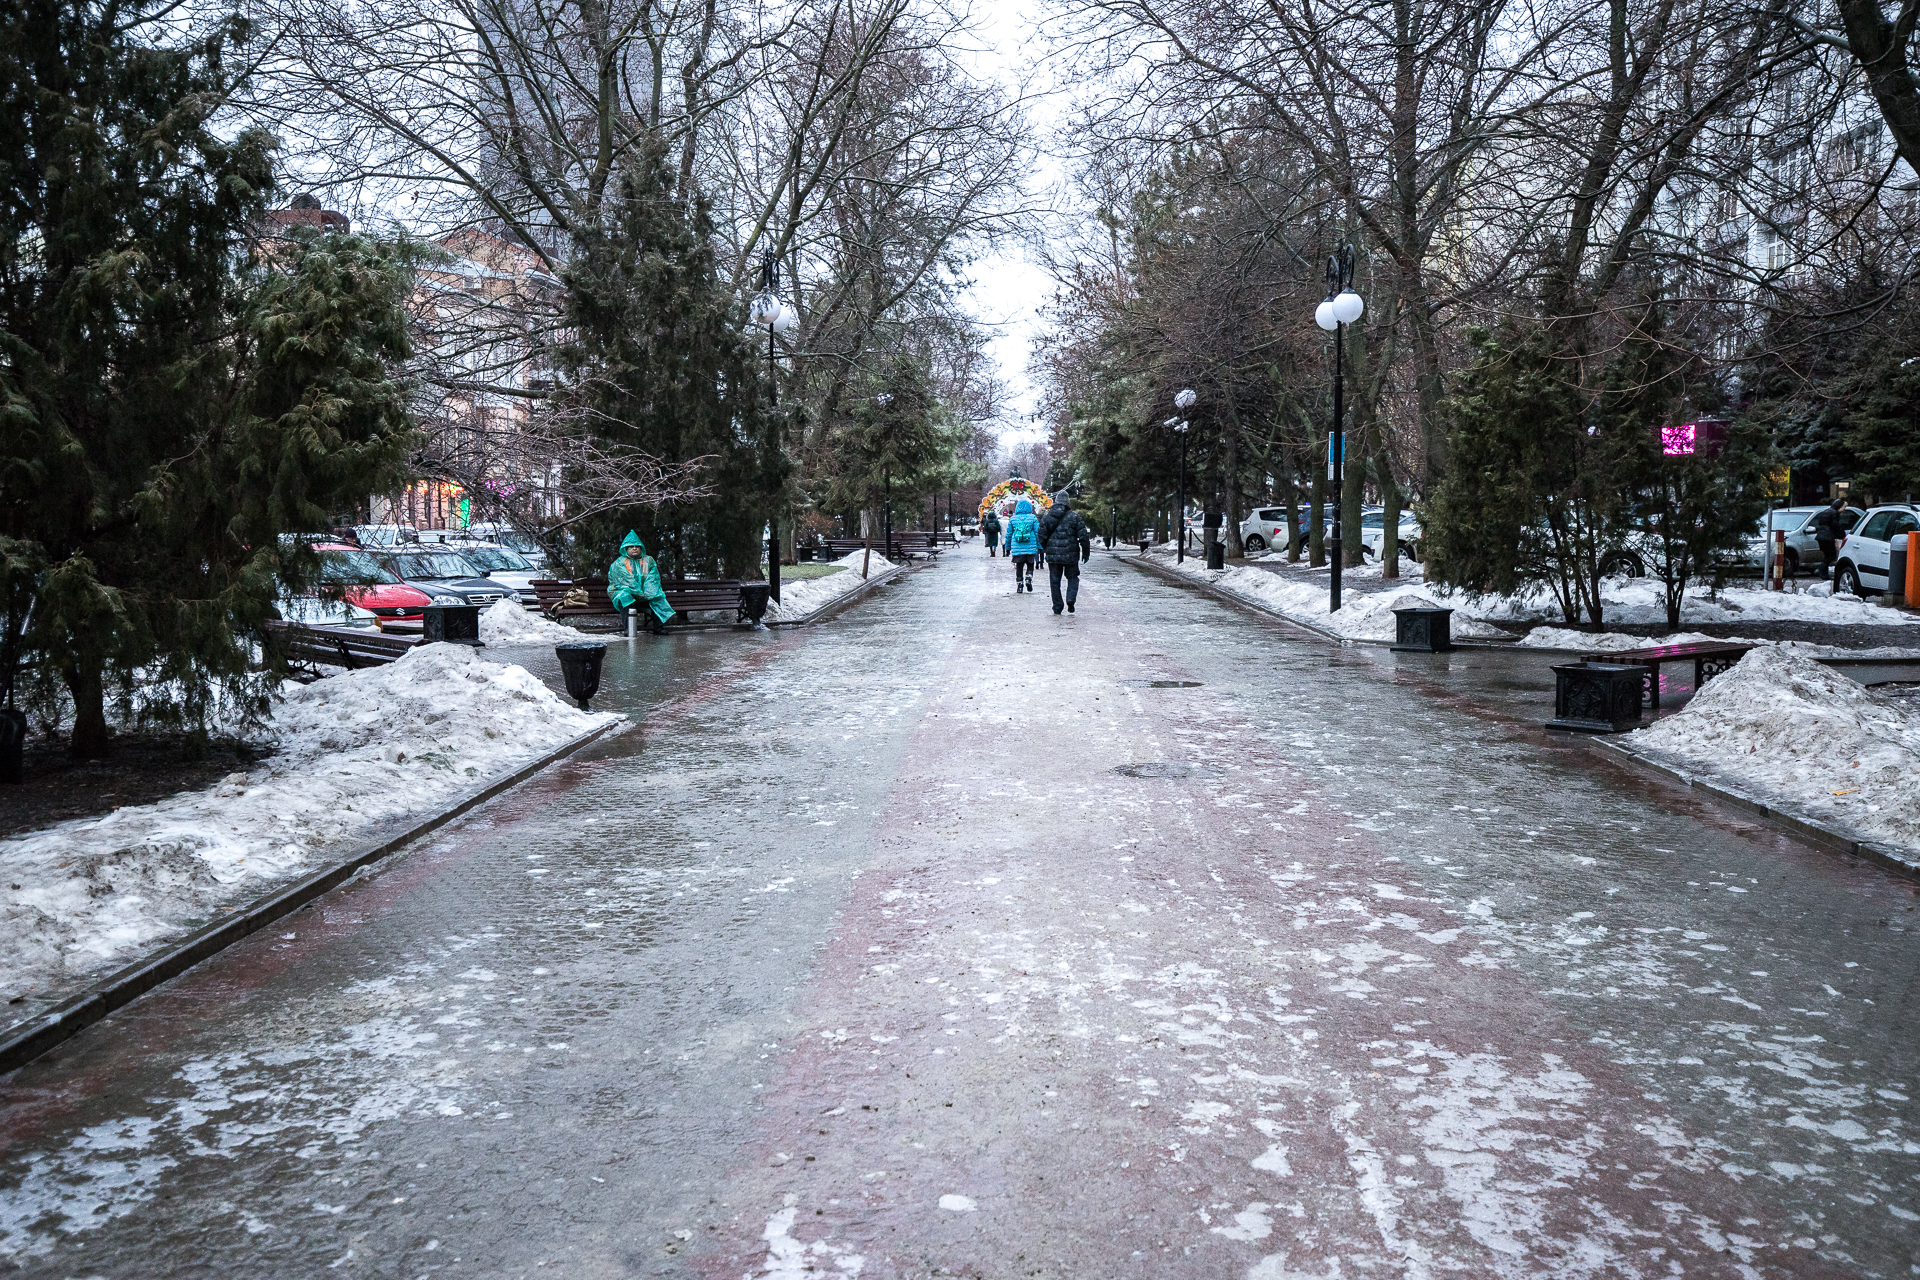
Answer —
1410 551
1256 543
1847 579
1792 563
1622 564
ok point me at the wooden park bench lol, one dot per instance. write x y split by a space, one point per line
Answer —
1709 657
350 647
685 595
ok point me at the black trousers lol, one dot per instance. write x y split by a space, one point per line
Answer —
1827 547
1022 571
1071 568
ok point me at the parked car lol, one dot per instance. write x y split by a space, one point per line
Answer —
1860 567
502 565
1797 524
502 535
368 595
442 574
385 535
1265 528
1373 534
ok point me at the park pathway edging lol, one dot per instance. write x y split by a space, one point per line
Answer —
67 1019
841 601
1823 834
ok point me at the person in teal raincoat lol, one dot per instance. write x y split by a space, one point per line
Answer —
634 579
1023 544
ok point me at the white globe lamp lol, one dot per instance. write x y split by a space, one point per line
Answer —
1347 307
1324 317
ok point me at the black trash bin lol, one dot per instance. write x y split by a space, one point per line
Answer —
580 665
1597 697
1423 630
13 743
452 624
753 599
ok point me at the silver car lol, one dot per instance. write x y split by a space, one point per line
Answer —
1802 550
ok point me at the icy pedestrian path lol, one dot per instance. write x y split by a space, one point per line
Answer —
957 938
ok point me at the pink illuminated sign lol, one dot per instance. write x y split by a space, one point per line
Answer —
1689 438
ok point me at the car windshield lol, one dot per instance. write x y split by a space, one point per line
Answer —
494 559
434 564
1784 520
339 567
1374 520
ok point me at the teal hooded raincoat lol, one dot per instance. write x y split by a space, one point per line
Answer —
636 580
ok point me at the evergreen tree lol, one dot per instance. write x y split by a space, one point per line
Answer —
898 442
169 411
658 361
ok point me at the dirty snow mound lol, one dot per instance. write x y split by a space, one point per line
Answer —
1783 726
355 749
506 621
802 596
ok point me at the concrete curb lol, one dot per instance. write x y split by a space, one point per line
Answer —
841 601
1813 831
1226 593
29 1041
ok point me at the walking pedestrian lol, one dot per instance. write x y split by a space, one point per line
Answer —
1023 544
1066 542
633 582
991 528
1829 527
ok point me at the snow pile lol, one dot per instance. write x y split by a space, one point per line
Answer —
1361 616
507 621
1590 642
354 749
802 596
1606 641
1642 602
1782 727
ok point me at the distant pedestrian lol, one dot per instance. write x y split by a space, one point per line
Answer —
1023 544
1829 527
991 528
1066 542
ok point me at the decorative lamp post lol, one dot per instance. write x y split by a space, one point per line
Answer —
769 310
1183 400
1342 307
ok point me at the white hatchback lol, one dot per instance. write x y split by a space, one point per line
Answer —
1861 564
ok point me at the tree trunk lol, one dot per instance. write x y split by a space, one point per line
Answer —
1353 483
1292 481
1317 513
1230 525
89 740
1390 531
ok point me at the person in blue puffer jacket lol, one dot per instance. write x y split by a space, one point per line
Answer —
1023 544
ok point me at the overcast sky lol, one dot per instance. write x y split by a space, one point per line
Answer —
1008 288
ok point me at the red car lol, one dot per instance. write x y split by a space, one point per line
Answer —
368 593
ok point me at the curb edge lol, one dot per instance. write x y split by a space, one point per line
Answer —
121 988
1819 834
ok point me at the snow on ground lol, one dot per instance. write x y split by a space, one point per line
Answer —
802 596
354 749
1641 601
1587 641
1782 727
1361 617
507 621
1624 601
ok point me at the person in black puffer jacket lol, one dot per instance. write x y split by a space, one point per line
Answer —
1829 527
1065 541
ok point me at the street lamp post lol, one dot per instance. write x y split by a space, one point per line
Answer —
1182 400
1342 307
769 310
